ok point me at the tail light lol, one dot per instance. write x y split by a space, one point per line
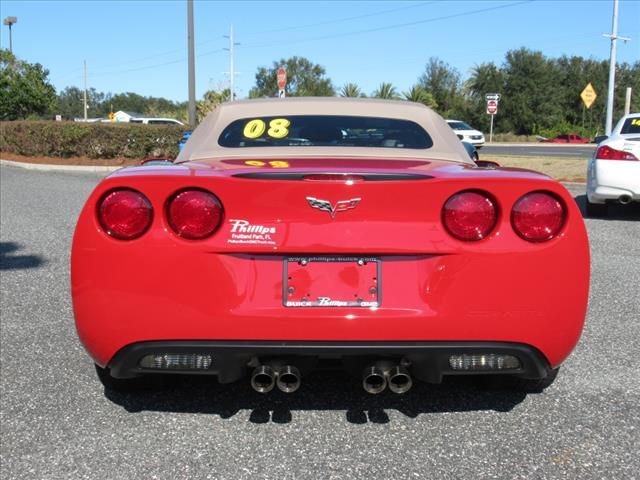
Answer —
538 216
194 214
125 214
469 215
608 153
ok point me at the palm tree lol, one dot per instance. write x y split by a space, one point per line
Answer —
386 90
351 90
419 95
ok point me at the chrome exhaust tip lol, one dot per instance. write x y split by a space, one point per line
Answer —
263 379
624 199
288 379
374 380
399 380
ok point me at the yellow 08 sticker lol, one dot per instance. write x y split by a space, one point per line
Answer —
278 128
636 122
254 128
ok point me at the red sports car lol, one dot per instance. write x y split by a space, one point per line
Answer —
292 233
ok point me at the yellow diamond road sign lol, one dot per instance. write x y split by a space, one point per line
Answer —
588 95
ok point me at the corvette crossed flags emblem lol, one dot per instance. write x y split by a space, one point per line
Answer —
340 206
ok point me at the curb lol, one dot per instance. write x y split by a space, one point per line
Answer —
60 168
104 169
540 144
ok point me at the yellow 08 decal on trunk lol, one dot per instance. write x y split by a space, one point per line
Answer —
278 128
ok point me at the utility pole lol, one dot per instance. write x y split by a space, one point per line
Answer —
192 65
85 90
9 21
612 67
232 73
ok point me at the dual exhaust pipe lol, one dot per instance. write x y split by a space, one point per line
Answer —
265 377
380 376
375 378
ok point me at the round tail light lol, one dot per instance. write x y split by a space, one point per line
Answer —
538 216
194 214
125 214
469 215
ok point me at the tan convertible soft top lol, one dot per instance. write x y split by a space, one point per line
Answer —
203 143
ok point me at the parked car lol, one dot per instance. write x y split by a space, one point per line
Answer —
613 173
466 133
183 141
297 233
566 138
156 121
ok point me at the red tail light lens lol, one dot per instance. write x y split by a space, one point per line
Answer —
608 153
194 214
538 216
125 214
469 215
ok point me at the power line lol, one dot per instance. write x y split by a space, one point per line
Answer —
148 67
339 20
389 27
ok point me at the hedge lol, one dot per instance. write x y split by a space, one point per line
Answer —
92 140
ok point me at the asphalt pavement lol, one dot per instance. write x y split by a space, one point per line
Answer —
57 421
538 150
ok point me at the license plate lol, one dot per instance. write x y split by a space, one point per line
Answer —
332 282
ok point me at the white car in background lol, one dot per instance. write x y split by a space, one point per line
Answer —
466 133
613 174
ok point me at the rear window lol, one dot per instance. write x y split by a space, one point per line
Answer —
631 125
324 131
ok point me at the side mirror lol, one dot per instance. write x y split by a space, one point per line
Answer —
600 138
487 164
157 161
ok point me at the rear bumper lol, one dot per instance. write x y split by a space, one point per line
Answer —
608 180
232 360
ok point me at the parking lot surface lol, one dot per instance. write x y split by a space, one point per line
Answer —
57 421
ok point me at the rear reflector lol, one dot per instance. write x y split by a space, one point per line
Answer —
169 361
125 214
469 215
484 362
538 216
608 153
194 214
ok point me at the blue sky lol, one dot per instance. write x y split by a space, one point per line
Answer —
141 46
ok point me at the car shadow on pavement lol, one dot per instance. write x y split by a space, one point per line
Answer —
616 211
10 261
320 391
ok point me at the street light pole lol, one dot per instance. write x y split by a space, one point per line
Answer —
9 21
232 73
85 91
192 65
612 68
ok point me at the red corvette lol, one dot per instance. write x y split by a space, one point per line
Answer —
292 233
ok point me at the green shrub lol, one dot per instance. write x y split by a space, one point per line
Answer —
92 140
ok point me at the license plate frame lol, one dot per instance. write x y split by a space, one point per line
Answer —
368 294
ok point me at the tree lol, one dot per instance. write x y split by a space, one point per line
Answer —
304 79
443 83
386 90
351 90
532 99
485 78
210 101
420 95
70 103
24 88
